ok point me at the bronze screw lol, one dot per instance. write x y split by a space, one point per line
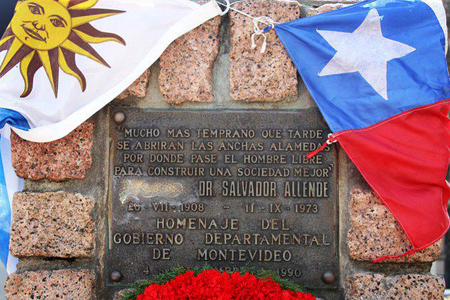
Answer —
115 276
119 117
328 277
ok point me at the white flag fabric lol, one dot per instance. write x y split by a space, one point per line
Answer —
63 60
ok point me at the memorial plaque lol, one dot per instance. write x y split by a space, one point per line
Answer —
227 189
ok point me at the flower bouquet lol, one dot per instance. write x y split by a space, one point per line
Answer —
208 284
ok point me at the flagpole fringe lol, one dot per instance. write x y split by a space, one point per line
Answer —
331 139
406 255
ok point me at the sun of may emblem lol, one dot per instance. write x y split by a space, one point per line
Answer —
48 33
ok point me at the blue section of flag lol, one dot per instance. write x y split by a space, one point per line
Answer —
5 216
16 120
13 118
347 101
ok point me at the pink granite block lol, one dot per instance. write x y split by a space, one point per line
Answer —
66 158
186 65
375 232
369 286
365 287
138 88
51 285
256 76
324 8
415 287
52 225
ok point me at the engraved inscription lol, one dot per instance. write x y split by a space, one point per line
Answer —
227 189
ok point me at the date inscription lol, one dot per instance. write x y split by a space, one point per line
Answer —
226 189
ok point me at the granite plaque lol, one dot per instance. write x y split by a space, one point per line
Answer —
222 188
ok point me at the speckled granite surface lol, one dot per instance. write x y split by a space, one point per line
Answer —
67 158
119 294
186 65
368 286
375 232
51 285
324 8
138 88
52 225
416 287
256 76
365 287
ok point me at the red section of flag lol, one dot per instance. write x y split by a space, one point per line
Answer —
405 160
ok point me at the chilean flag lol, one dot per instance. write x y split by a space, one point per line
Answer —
378 73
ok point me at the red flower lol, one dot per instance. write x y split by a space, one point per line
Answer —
213 285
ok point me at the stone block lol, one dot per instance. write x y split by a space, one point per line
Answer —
324 8
51 285
186 65
256 76
415 287
375 232
120 294
138 88
365 287
52 225
369 286
66 158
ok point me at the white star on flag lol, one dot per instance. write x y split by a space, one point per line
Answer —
366 51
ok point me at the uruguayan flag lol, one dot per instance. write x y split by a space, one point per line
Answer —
63 60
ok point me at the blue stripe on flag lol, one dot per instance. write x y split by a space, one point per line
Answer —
15 119
5 216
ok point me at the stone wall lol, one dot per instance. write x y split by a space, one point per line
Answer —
58 226
60 220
